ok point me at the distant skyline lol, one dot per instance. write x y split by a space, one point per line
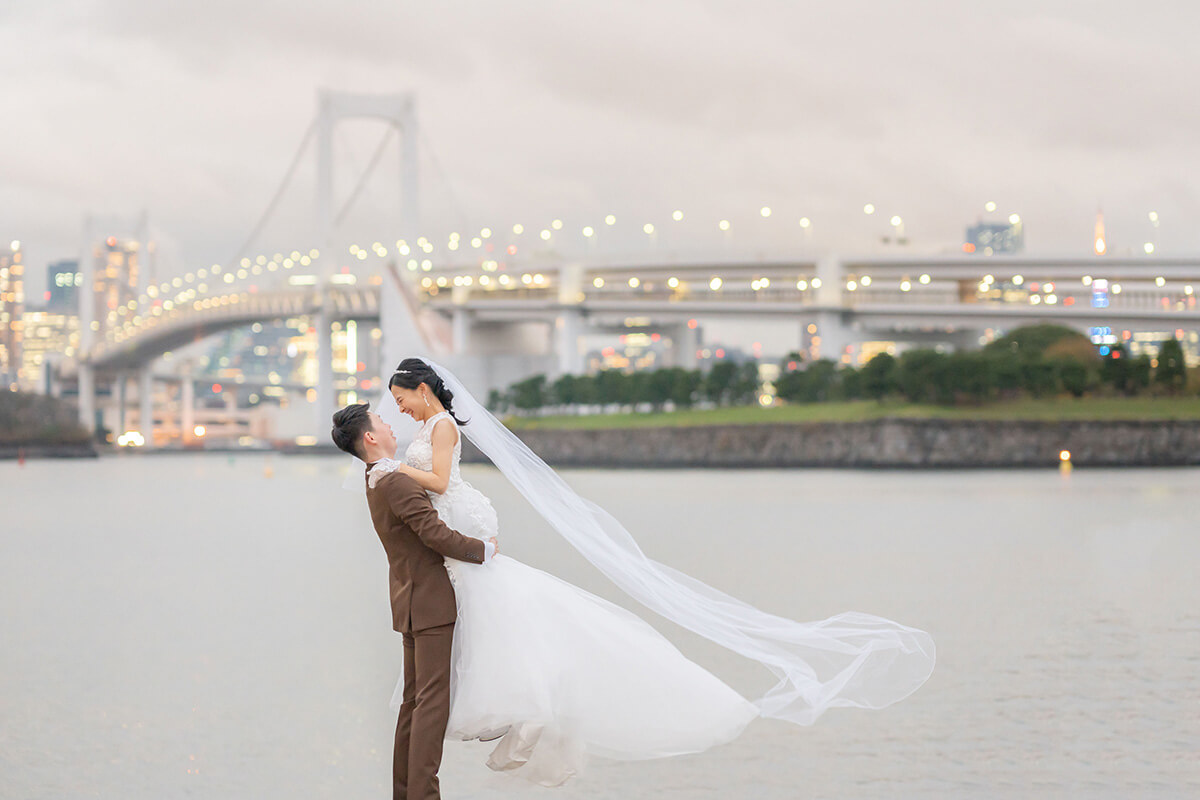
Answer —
532 111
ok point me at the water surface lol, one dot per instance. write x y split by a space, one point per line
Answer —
215 626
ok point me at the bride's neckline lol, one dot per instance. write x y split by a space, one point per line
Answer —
435 416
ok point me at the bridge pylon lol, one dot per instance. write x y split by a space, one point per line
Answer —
399 111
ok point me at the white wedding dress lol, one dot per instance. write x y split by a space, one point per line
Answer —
562 673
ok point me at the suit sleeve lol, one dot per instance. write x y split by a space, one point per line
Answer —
409 502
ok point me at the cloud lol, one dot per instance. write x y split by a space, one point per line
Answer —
532 109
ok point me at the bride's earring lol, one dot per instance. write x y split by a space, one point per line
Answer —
426 398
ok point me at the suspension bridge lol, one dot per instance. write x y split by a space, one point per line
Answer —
499 307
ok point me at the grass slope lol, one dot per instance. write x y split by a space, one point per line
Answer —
1091 408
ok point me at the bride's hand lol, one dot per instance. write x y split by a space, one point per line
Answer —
495 544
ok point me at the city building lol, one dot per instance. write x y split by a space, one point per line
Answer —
48 335
116 280
12 312
264 363
995 238
634 351
63 280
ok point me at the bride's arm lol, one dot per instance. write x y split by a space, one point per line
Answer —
443 441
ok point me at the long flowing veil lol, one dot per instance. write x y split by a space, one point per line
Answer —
850 659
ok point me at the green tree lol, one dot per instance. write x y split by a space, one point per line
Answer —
1171 371
1076 348
879 377
1009 375
918 374
822 377
658 387
1139 374
971 375
610 386
745 384
1072 375
685 386
848 384
793 357
637 388
791 386
813 384
530 393
1038 377
585 390
1035 340
1116 370
718 383
565 390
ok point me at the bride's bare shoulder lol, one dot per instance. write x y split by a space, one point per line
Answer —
445 431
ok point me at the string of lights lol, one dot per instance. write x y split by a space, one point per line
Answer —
492 261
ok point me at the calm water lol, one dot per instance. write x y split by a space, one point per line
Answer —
218 627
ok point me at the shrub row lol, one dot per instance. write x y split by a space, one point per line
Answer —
929 376
1034 361
726 383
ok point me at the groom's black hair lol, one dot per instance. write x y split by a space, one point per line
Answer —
349 425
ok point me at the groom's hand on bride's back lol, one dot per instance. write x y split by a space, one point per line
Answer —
411 504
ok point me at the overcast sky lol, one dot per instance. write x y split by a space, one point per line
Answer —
530 111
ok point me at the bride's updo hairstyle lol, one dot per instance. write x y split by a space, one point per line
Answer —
412 372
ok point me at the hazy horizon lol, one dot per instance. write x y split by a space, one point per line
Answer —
529 112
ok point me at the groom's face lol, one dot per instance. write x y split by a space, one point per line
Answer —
383 433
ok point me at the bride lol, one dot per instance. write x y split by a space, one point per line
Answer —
556 674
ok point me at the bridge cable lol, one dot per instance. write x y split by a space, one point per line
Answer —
258 228
362 180
427 146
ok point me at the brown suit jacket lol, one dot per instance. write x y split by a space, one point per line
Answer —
415 540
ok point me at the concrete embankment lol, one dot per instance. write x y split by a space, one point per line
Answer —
885 443
48 450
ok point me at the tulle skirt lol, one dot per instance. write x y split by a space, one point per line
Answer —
559 674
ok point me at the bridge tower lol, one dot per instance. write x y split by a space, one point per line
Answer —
399 111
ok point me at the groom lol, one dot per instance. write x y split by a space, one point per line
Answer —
423 602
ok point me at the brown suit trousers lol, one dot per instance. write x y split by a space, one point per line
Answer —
421 727
423 610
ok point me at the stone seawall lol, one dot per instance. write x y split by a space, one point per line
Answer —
887 443
48 450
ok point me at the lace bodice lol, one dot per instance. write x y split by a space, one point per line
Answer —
419 453
463 507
